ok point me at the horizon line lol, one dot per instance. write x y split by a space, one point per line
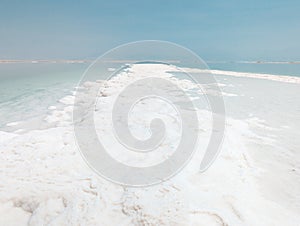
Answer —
7 61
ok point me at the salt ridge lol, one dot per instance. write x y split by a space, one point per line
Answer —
44 181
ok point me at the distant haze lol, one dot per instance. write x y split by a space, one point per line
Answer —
215 30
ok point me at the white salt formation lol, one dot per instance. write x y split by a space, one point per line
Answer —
45 181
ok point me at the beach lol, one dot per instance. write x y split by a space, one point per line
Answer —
255 180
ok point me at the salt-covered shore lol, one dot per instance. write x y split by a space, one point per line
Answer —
45 181
279 78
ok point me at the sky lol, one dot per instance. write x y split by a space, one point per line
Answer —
214 29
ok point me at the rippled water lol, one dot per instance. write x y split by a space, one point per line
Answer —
27 90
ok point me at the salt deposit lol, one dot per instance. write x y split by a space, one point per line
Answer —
45 181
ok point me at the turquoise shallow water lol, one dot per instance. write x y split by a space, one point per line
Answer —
27 89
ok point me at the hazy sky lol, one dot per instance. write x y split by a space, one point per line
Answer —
216 30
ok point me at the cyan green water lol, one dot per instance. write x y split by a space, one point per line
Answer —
27 89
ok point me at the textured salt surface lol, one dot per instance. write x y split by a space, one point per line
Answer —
279 78
45 181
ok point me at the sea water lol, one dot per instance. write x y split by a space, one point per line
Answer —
27 90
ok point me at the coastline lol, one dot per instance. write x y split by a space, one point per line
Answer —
273 77
46 180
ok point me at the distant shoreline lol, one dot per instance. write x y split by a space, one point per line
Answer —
69 61
74 61
43 61
269 76
254 62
